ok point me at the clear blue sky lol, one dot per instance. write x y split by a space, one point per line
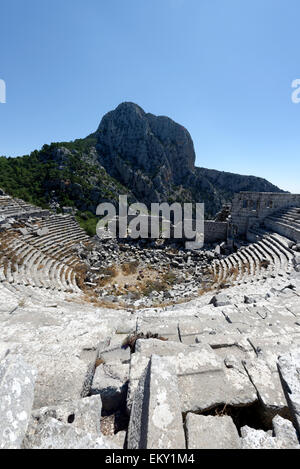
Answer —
221 68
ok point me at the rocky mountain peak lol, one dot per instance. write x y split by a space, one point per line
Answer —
156 145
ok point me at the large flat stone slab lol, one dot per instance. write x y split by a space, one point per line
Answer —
257 439
283 436
115 355
285 432
17 381
110 381
268 387
190 329
83 414
204 380
156 419
52 434
165 328
208 432
289 369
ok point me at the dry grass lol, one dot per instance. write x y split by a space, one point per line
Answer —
91 298
22 303
222 412
98 362
170 278
130 268
80 275
234 272
246 268
264 264
208 288
108 274
153 285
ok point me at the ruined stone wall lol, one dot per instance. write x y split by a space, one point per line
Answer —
214 231
251 207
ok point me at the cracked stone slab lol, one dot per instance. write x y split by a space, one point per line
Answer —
235 318
274 343
115 355
17 380
148 347
203 379
165 328
226 339
294 309
268 387
60 378
289 370
110 381
156 420
204 391
185 358
209 432
126 327
83 414
285 432
52 434
257 439
228 344
283 436
221 299
190 329
6 348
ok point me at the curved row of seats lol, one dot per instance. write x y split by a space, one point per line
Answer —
22 264
285 222
268 256
42 262
63 233
10 207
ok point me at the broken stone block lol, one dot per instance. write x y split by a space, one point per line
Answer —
284 436
115 355
221 300
52 434
203 379
42 231
285 432
167 329
83 414
289 370
209 432
186 359
23 231
6 348
138 364
17 381
110 381
156 420
190 329
248 299
228 340
268 387
205 390
126 327
118 439
257 439
59 379
158 347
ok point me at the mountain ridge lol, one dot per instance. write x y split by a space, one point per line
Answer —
150 158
